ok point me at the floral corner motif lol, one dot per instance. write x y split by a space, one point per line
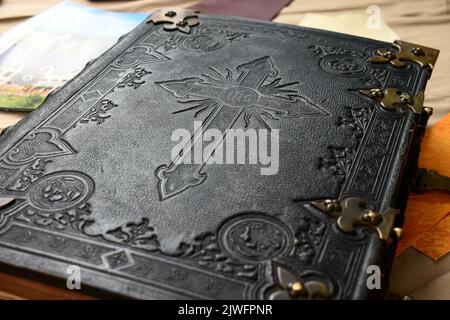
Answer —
133 79
99 112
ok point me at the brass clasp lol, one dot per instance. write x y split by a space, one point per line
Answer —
391 98
423 56
353 211
175 19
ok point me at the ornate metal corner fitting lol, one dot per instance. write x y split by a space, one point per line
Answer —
423 56
392 98
290 287
175 19
353 211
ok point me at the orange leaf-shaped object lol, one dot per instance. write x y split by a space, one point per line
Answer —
426 210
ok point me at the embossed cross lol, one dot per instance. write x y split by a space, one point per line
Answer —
225 99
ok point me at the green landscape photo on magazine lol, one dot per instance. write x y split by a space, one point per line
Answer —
49 49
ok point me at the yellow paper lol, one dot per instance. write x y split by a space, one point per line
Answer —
351 23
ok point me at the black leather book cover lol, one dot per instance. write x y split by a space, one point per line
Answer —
88 179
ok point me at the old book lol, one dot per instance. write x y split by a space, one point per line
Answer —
89 182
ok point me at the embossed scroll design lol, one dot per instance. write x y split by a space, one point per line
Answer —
375 152
137 235
239 246
133 79
98 113
202 39
237 249
350 64
139 54
340 158
308 237
31 173
75 219
253 93
60 190
51 197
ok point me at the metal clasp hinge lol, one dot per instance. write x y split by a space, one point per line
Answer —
353 211
175 19
392 98
429 180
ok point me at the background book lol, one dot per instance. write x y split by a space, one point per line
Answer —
47 50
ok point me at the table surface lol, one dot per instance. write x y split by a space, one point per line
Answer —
423 22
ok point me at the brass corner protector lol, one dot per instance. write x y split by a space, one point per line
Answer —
406 51
353 211
290 287
175 19
392 98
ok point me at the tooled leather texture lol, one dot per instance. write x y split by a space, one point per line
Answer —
95 187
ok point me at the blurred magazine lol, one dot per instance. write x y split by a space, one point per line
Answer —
47 50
